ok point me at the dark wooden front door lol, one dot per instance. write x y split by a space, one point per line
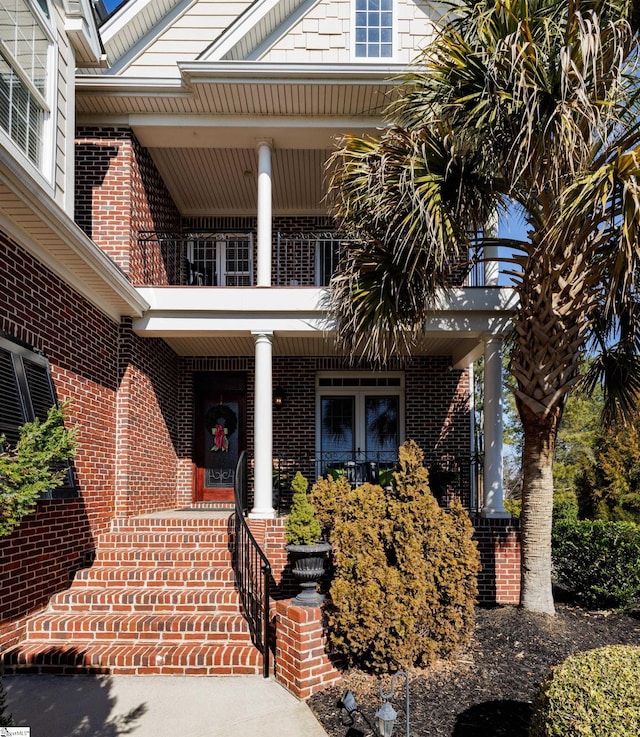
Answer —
220 433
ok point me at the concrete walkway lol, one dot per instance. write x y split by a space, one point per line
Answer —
157 706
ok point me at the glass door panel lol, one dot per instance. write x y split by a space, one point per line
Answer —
337 428
381 426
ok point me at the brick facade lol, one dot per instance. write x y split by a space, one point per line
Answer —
499 546
50 545
122 393
119 194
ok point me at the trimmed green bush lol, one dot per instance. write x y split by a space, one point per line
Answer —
404 585
34 466
301 527
598 561
592 694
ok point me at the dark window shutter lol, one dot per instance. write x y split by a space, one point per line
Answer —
40 388
12 413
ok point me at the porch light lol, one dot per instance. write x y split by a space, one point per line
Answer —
278 397
386 714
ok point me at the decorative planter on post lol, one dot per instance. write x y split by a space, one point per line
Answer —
308 568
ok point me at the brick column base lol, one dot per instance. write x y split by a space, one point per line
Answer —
302 666
499 547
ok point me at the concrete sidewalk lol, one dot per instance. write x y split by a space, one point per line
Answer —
157 706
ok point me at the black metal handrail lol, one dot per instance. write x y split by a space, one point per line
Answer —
252 570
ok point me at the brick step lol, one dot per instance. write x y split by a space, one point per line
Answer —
155 628
173 539
139 599
88 657
172 557
171 524
162 537
155 576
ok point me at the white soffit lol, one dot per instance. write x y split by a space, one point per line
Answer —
31 218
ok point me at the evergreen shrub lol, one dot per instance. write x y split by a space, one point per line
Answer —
404 585
301 527
34 466
592 694
599 561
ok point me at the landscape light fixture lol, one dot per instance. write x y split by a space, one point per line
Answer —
347 704
386 714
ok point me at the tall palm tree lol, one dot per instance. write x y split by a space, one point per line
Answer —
526 101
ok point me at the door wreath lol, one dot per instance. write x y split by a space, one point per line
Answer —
221 421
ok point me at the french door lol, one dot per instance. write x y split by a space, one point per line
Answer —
359 418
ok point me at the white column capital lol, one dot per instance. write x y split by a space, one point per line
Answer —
260 142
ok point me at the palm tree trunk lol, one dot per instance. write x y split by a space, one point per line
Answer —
537 507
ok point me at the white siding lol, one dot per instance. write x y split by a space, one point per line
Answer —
64 102
185 39
324 34
321 36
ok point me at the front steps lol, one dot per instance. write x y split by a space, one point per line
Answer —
159 599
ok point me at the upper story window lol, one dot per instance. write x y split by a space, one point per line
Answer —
24 61
374 29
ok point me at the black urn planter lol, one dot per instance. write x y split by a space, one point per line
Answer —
308 568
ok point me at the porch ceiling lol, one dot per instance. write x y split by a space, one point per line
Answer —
283 345
202 130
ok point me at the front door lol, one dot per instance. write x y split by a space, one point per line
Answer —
220 433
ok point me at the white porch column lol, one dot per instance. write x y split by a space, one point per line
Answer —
264 214
263 428
493 489
491 263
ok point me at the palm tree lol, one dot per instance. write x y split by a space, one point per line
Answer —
533 102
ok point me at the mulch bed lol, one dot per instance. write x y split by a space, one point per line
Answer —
487 689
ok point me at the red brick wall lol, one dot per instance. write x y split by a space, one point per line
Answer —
119 194
499 546
437 414
148 431
41 556
126 409
302 665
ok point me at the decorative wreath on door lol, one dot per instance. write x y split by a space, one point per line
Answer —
221 421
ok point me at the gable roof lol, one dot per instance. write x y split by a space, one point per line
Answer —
259 22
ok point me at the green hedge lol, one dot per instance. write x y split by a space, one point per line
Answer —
598 561
592 694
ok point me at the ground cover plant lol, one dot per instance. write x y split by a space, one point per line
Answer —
487 689
591 694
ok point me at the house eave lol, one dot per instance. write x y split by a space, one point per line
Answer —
39 225
207 72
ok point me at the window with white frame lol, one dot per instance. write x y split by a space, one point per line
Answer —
26 392
373 29
359 417
24 62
